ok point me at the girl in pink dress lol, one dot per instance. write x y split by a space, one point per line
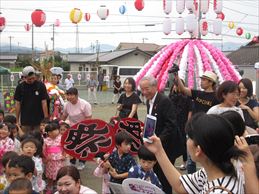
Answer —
53 153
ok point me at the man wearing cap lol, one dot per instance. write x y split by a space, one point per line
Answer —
31 101
202 100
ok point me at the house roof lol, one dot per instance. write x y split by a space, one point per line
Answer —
103 56
245 55
147 47
6 57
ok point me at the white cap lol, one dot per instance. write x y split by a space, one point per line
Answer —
28 70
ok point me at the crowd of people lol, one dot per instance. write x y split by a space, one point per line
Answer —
207 126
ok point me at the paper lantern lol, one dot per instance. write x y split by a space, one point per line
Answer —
179 25
221 16
38 17
57 23
167 6
217 5
217 26
190 5
191 23
239 31
167 25
204 4
139 4
76 15
231 25
122 9
204 26
248 35
87 17
27 27
2 23
103 12
180 4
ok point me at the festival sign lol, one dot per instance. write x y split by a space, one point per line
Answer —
134 128
87 138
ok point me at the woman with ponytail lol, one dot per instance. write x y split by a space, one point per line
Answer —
211 143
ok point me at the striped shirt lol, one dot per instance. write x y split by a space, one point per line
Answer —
198 183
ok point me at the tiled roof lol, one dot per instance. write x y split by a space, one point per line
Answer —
147 47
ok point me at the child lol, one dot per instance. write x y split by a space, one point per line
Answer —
144 170
43 124
29 148
19 167
53 153
13 135
63 127
6 143
1 116
11 119
20 185
120 160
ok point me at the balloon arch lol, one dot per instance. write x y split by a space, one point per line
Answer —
193 57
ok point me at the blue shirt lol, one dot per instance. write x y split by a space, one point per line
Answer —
149 176
121 164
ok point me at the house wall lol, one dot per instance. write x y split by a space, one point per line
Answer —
133 59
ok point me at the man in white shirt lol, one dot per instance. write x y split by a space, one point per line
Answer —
69 82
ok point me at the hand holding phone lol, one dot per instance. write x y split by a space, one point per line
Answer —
252 139
149 128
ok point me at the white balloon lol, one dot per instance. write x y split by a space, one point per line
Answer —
190 5
204 6
167 5
179 25
180 6
191 23
167 25
218 4
217 26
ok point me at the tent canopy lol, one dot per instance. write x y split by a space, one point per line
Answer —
4 71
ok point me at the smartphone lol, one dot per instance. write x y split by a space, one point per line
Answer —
252 139
149 128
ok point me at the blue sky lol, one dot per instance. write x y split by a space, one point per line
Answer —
130 27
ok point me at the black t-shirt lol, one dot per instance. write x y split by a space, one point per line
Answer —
118 85
249 121
203 101
127 103
30 96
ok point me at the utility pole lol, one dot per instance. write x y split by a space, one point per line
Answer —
53 37
97 53
10 42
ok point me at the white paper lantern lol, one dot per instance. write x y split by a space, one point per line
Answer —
217 5
190 5
191 23
179 25
103 12
204 27
204 6
180 5
167 25
217 26
167 6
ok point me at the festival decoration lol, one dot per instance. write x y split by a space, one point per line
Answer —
9 102
27 27
217 26
103 12
167 6
190 5
217 6
180 5
2 23
38 17
255 39
248 35
75 15
239 31
204 4
221 16
122 9
167 25
192 63
57 23
139 4
87 17
191 23
87 138
231 25
134 128
179 25
204 27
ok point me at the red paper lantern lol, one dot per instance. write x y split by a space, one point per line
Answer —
38 17
239 31
57 23
2 23
139 4
255 39
87 16
27 27
221 16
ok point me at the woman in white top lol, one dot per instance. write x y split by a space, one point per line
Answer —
211 143
68 181
228 95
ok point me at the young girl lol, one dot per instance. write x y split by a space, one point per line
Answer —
6 143
53 153
63 127
29 147
14 136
